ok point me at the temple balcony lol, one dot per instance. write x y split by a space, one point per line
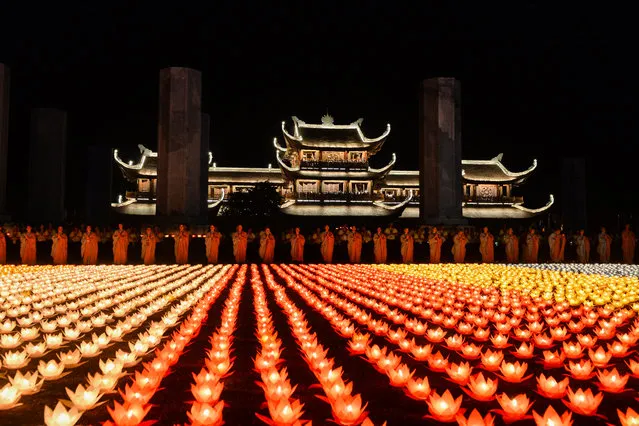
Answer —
333 197
495 200
333 165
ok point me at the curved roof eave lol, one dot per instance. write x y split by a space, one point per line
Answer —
497 161
550 202
401 205
217 202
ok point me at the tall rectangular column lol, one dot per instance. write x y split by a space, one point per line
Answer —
180 192
440 153
4 135
47 161
206 135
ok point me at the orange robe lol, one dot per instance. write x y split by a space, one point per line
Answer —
407 247
240 241
28 248
59 249
328 242
354 247
297 248
379 248
532 248
487 247
181 248
89 248
212 242
512 249
120 247
3 249
604 247
148 248
267 248
459 248
628 242
435 243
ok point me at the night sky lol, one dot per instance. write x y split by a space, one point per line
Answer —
537 82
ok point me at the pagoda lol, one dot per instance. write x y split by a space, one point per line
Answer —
327 166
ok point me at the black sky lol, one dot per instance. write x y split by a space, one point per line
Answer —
538 81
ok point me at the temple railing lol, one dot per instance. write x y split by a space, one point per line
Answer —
314 196
334 165
505 200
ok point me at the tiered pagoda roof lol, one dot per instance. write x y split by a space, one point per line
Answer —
331 136
493 171
366 174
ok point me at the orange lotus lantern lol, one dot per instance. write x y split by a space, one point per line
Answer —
524 351
444 408
618 349
481 334
471 351
418 389
550 387
586 340
9 396
421 353
581 370
553 359
514 409
584 403
337 390
437 362
573 350
599 357
611 381
481 388
84 399
435 335
514 372
490 360
475 419
459 373
202 413
551 418
500 341
399 375
454 342
128 414
348 410
629 418
134 395
206 392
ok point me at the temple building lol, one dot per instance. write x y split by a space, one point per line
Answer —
324 170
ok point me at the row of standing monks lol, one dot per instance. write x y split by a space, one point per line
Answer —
89 246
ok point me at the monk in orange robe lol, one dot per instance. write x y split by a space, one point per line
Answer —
512 246
407 246
3 247
149 240
267 246
380 252
327 245
120 245
435 242
297 246
89 247
354 245
583 247
28 247
59 247
212 243
628 242
557 243
487 246
240 242
181 248
532 247
459 247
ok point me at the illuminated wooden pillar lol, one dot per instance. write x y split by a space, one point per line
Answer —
4 135
440 153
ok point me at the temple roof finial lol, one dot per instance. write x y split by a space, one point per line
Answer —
328 120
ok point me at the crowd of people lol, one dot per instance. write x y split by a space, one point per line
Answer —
524 247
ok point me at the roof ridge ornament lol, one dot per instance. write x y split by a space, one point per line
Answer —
328 120
357 122
498 157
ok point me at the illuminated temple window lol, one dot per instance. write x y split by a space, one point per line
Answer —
356 156
359 187
332 156
310 155
329 187
144 185
306 186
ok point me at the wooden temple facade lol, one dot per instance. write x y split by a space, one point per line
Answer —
324 170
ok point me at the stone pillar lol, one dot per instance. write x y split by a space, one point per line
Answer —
440 151
47 161
180 190
573 194
206 135
4 135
